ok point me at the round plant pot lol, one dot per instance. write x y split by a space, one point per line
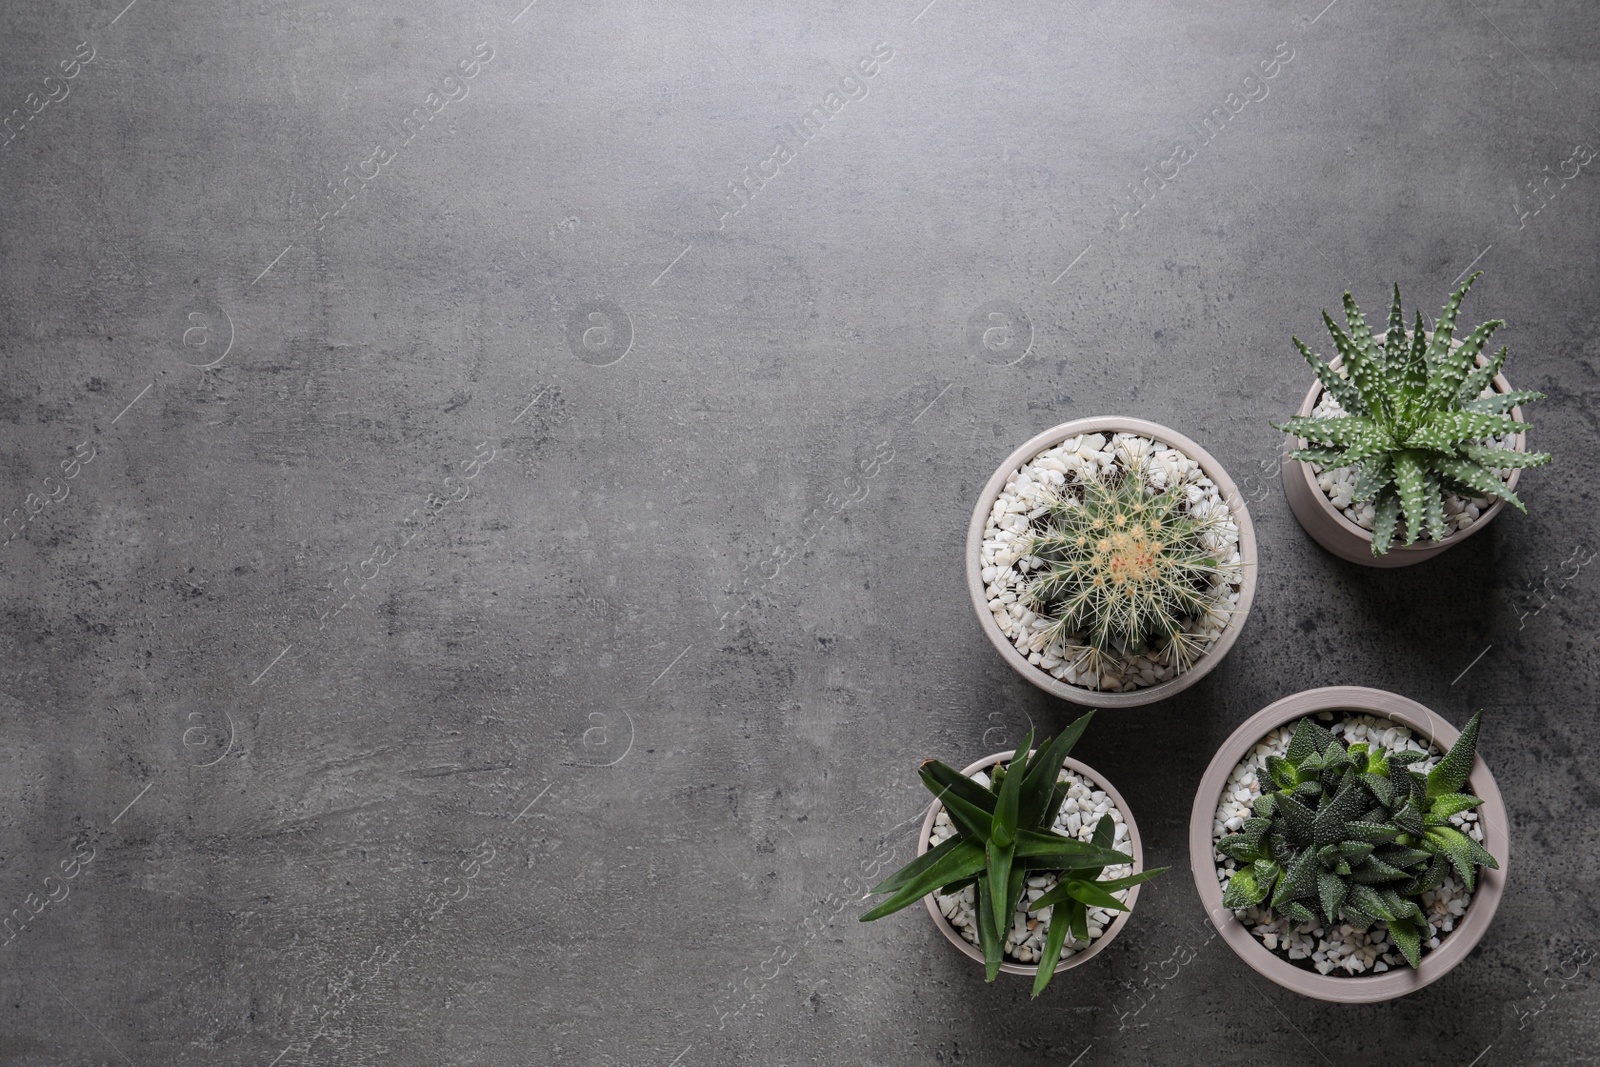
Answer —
1333 531
1110 424
1134 849
1357 989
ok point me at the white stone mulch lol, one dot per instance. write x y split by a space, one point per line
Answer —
1342 948
1021 500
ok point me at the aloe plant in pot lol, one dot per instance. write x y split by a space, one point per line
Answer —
1406 439
1008 856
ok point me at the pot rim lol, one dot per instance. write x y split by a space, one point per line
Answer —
1367 988
1135 849
1111 424
1423 545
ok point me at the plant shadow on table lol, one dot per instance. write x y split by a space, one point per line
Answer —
1431 618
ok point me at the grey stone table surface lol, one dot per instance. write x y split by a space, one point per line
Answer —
490 484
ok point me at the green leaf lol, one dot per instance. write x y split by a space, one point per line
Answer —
1410 481
1328 825
999 875
1322 457
1448 804
1403 909
1105 832
1305 741
1080 921
1297 820
974 804
1373 870
1408 939
1432 879
1380 787
1331 891
1385 518
1282 772
1408 817
1394 341
1040 781
1371 832
1298 912
1463 852
1402 857
1481 377
991 940
1450 773
1451 369
1058 796
1414 373
1433 503
1091 895
1501 402
1503 458
963 859
905 875
970 819
1055 937
1444 330
1447 429
1003 830
1055 852
1376 472
1368 901
1339 388
1477 479
1366 374
1338 430
1128 881
1298 881
1307 792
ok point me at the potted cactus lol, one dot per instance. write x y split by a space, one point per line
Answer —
1025 855
1111 561
1409 444
1349 844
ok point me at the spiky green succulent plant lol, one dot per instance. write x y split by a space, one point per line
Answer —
1414 418
1122 569
1353 832
1004 834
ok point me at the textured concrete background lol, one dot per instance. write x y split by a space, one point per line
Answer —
514 602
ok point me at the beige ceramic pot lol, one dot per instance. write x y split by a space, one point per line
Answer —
1357 989
1043 679
1098 944
1336 533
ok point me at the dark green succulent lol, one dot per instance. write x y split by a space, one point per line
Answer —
1004 834
1413 418
1353 832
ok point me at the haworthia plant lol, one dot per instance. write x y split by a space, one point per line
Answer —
1126 569
1353 833
1414 420
1004 834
